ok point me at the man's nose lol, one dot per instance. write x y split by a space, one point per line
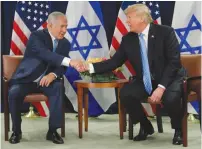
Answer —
127 21
64 29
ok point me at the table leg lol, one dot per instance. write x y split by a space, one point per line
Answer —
80 109
124 120
120 114
86 109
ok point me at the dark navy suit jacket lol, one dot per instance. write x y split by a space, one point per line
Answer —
163 55
38 57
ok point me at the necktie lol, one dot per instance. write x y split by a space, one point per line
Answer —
145 65
55 44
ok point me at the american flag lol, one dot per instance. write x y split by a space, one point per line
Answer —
122 29
29 16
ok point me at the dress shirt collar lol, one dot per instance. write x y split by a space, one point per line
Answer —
145 32
52 37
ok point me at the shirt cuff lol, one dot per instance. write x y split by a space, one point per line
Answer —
159 85
54 74
66 61
91 68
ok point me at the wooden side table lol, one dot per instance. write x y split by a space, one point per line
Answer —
82 91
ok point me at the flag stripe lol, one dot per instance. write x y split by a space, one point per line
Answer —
123 18
18 31
121 27
39 108
126 71
18 42
148 109
15 49
115 43
130 67
97 9
119 75
45 108
117 35
70 93
21 24
44 25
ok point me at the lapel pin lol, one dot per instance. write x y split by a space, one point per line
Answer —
152 36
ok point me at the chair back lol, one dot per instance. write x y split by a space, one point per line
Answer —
10 64
192 63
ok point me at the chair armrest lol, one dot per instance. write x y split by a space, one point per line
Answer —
5 79
5 82
5 89
194 78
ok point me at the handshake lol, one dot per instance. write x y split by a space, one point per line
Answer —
79 65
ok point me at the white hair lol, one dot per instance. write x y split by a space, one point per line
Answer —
54 16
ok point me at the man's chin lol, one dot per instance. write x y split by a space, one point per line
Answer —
60 37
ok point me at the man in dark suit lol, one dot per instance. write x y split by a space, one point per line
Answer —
153 51
45 60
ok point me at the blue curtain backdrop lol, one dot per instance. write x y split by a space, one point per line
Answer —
110 11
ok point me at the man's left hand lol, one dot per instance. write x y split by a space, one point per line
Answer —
156 96
47 79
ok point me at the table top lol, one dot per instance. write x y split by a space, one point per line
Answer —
90 84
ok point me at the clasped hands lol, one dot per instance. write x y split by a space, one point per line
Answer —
79 65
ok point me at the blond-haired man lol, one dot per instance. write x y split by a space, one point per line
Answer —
153 51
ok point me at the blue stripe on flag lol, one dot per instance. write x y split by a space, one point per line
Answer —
94 108
96 7
195 105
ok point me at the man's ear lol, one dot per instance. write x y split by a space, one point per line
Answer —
49 25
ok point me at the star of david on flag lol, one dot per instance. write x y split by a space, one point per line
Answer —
187 24
88 40
183 33
93 42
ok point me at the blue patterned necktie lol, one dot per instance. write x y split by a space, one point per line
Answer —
145 65
55 44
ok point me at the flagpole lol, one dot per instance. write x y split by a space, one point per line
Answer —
31 113
191 118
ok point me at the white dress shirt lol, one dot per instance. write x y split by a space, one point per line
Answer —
145 33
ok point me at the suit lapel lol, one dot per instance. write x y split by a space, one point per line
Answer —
49 40
58 47
151 44
135 50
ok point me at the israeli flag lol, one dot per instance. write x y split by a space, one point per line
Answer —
187 25
88 39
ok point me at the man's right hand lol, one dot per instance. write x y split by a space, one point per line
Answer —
79 65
